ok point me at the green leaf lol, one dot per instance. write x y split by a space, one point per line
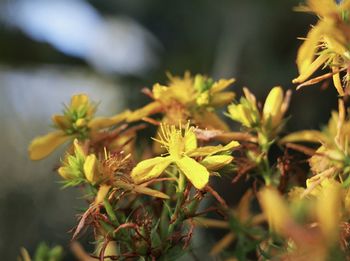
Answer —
56 253
107 227
110 212
41 253
156 241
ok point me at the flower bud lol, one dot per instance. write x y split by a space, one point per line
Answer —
272 108
216 162
90 168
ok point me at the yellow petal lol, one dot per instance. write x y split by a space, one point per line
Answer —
150 192
250 97
90 168
216 162
160 91
42 146
243 114
337 82
203 99
150 168
307 50
209 120
127 186
336 44
273 103
221 85
329 210
323 7
305 136
112 249
321 163
332 126
195 172
233 111
65 173
275 209
307 72
81 122
210 150
105 122
61 121
78 149
180 89
222 99
102 193
78 100
228 146
243 209
149 109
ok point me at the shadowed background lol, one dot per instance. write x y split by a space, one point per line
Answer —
50 50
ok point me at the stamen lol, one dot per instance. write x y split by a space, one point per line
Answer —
106 153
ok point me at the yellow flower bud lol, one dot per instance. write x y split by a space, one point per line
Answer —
90 168
81 122
272 107
203 99
102 193
65 172
199 82
159 91
216 162
111 249
78 149
240 113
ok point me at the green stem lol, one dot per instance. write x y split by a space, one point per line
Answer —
176 217
181 183
265 169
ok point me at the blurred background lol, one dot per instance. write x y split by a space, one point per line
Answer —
50 50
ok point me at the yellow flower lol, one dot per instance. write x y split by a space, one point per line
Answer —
269 121
333 152
77 121
110 173
316 237
80 167
181 145
336 132
329 195
188 98
326 44
246 111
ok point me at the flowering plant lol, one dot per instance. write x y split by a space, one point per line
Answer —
144 202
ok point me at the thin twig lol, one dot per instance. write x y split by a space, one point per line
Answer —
216 196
